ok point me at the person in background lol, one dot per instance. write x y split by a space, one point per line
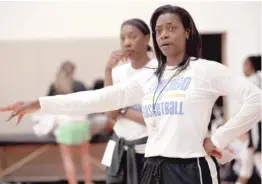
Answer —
177 100
252 69
129 122
65 79
100 124
251 156
71 131
98 84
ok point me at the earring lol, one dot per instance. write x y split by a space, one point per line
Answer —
187 36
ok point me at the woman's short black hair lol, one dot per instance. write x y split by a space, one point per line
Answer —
193 44
139 24
255 62
98 84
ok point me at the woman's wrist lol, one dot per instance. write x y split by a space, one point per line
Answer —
36 104
123 111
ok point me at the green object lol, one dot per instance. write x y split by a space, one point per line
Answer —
73 133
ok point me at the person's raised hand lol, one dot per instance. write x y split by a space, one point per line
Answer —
116 56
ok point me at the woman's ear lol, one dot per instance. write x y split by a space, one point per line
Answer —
147 38
187 33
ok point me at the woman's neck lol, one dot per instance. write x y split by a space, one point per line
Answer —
175 60
140 62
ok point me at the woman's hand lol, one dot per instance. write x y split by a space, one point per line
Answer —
210 148
115 57
19 109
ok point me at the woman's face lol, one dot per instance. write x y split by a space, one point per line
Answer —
68 69
133 40
170 34
248 68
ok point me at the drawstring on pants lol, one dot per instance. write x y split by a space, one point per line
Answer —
157 170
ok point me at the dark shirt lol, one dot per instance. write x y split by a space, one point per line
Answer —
77 87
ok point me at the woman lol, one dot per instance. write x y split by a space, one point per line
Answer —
130 125
177 100
71 131
65 82
252 69
252 154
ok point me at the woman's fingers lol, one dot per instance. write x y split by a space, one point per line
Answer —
19 118
216 154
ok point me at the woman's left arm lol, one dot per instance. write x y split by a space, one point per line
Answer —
225 83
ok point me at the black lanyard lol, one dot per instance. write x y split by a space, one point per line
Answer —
155 101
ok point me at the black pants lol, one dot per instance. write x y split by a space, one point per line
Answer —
161 170
140 159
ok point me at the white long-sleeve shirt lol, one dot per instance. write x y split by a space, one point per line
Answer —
183 110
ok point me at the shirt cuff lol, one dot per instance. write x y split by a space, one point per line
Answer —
218 142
